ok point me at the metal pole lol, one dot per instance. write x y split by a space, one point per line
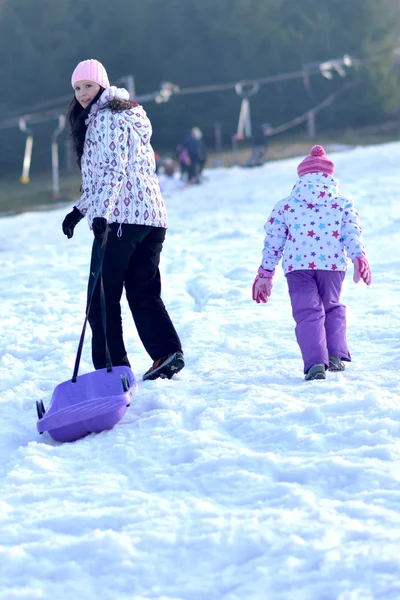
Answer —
54 156
28 151
235 150
68 155
218 161
130 81
218 137
244 125
247 122
311 127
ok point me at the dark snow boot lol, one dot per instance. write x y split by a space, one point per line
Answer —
316 372
336 364
165 367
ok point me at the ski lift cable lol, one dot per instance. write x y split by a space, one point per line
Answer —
303 117
152 96
35 116
314 66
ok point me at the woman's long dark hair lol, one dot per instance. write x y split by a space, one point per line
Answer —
77 116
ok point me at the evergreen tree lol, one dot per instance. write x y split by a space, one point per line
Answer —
199 42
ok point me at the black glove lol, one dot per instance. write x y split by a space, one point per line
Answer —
71 220
99 227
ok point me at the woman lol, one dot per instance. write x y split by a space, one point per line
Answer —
121 194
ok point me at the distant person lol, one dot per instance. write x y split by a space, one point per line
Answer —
192 155
121 198
184 161
202 150
169 167
259 147
315 228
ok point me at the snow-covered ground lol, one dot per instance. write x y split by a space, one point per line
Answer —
236 480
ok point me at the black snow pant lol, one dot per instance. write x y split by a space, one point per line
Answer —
130 260
193 168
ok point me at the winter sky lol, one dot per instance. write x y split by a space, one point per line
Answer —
235 480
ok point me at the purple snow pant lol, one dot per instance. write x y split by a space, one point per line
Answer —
320 317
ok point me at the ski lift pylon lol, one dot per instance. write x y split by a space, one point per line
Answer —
245 91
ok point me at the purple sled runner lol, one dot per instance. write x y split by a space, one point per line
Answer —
95 402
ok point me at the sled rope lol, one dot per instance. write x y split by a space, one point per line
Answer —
103 312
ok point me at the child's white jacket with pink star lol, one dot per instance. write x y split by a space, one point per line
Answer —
313 228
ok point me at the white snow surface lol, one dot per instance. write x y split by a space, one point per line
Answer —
235 480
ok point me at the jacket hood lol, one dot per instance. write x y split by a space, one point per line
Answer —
132 113
137 118
315 188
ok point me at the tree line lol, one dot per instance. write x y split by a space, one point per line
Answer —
195 43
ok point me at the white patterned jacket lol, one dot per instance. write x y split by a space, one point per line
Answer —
313 228
119 181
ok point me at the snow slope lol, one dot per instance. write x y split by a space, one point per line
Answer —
236 480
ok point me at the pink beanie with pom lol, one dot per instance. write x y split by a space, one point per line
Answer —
316 162
90 70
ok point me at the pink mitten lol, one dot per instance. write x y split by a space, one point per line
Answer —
262 286
362 270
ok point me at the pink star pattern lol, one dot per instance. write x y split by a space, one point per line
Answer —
314 228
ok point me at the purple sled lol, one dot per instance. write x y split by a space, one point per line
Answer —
95 402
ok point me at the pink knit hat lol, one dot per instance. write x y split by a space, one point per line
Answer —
90 70
316 162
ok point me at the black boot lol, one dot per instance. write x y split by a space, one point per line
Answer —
165 367
316 372
336 364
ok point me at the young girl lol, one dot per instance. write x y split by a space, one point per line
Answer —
121 194
314 229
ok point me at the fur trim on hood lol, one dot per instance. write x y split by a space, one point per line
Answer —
111 95
119 105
